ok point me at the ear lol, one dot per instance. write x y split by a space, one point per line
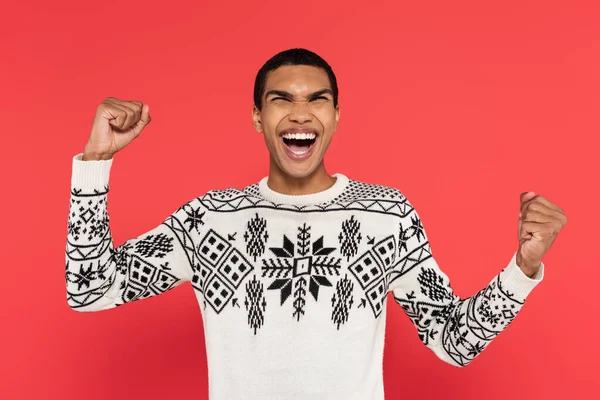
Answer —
337 115
256 121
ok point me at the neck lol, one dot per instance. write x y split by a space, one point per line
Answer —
283 183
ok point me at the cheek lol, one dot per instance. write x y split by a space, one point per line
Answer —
326 118
270 143
270 122
272 118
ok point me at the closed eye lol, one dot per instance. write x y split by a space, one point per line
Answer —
315 98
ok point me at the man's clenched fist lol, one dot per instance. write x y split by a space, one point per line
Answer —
116 124
539 222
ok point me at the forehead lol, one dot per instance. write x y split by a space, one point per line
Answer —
297 79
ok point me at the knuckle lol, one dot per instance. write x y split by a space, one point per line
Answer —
557 228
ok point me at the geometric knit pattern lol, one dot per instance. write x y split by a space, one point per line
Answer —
259 267
298 265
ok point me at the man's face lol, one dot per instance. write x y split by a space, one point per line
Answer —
297 119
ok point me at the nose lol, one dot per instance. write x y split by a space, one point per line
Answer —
300 113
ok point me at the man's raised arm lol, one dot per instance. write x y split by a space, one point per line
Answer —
458 329
98 275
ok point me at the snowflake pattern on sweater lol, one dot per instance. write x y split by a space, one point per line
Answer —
257 261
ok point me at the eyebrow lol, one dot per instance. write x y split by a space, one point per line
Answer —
290 96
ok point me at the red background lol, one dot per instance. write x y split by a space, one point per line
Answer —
461 105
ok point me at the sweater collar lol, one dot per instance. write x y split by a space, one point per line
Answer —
323 196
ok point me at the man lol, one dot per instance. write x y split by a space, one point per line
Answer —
292 273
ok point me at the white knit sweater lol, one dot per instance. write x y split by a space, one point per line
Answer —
292 289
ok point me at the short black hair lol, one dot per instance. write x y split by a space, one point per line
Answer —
296 56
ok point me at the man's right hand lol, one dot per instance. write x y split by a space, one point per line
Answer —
116 124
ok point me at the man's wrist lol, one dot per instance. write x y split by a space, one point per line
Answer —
529 269
91 156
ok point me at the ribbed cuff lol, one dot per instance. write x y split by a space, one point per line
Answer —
90 174
516 282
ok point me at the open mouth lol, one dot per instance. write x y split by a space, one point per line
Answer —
299 144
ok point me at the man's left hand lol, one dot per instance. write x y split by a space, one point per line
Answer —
539 223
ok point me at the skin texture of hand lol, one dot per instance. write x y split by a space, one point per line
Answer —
116 124
540 221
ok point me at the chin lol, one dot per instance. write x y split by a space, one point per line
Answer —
298 170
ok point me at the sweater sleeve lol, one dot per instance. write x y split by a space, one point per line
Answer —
100 276
456 329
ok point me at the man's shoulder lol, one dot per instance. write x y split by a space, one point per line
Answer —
229 198
229 193
361 190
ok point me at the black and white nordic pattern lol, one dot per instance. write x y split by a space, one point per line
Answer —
223 268
357 196
419 252
256 236
360 191
342 301
154 245
139 267
433 285
414 229
194 217
371 270
346 268
464 326
487 313
146 279
255 303
350 238
301 267
87 215
424 315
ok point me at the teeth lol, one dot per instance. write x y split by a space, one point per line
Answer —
300 136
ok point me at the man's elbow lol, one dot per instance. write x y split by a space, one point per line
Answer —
456 360
98 305
73 306
461 364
